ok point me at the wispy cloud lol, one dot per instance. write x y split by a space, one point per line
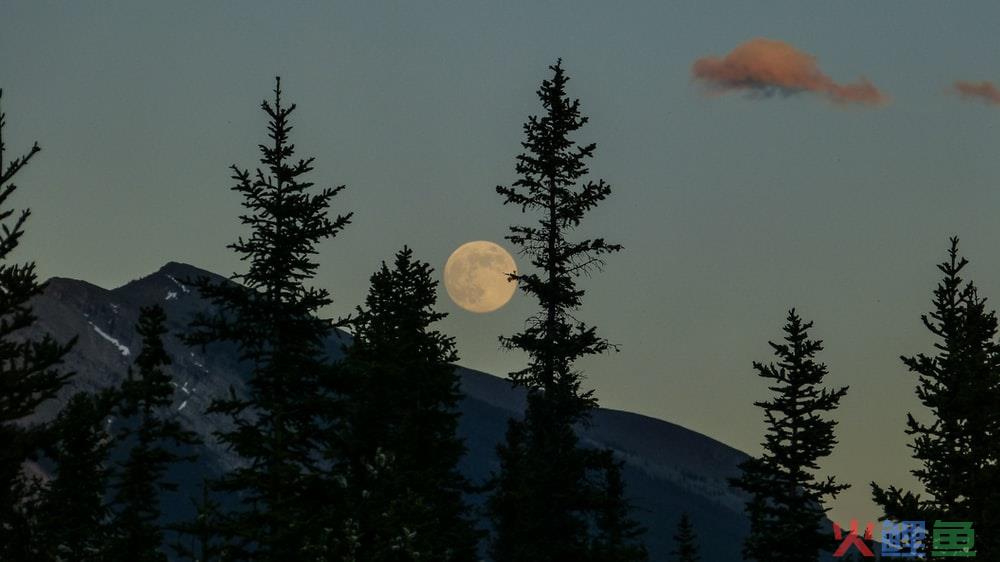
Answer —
766 67
984 91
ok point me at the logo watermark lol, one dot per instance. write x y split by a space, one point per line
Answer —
907 539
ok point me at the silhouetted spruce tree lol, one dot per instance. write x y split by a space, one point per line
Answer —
544 508
785 508
152 441
270 314
685 542
404 488
73 515
959 450
29 368
618 537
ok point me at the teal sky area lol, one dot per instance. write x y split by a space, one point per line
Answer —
732 207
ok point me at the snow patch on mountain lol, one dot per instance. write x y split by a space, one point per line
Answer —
182 286
125 351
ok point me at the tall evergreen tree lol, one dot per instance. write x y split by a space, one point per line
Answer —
401 446
786 498
73 515
152 441
270 314
29 368
959 450
543 509
685 541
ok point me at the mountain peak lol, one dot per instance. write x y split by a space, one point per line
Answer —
181 271
170 277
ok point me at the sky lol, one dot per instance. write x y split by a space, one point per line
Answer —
762 155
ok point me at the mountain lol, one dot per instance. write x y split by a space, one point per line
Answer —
669 469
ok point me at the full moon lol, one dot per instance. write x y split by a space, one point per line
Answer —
476 276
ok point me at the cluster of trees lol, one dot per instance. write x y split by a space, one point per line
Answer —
347 459
958 449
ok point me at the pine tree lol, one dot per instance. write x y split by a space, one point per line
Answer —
959 383
619 537
270 314
786 498
152 441
543 507
401 446
685 541
29 368
73 512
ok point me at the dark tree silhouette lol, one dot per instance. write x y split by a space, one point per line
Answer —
959 383
786 498
73 513
152 441
270 314
198 538
685 541
619 537
543 507
402 452
29 368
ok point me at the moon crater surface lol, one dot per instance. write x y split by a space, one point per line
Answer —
475 276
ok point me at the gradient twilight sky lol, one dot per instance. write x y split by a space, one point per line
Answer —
732 208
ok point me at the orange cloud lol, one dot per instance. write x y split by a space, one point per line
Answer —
767 67
984 91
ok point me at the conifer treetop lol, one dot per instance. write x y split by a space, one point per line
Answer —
958 382
685 541
786 504
550 183
286 221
